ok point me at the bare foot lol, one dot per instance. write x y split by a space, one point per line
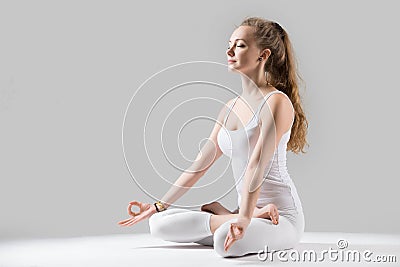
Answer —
269 211
215 208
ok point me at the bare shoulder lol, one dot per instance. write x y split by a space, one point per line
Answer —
225 108
230 101
281 108
284 102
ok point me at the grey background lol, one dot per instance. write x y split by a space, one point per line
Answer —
68 70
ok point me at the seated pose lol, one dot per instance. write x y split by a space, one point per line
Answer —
269 211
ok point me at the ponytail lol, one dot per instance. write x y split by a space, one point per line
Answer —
281 68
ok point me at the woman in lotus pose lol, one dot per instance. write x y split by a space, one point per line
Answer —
269 211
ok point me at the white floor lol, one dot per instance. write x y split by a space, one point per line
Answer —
144 250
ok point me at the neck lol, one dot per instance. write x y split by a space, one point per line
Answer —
255 86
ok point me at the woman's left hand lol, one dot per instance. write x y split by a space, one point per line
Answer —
236 231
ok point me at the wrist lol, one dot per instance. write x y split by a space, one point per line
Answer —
245 215
159 206
244 218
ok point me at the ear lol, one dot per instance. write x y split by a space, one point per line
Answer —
265 53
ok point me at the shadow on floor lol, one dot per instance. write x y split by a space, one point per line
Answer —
179 247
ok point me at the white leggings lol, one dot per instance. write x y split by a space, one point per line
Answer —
182 225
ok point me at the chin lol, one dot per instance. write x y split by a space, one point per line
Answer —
231 68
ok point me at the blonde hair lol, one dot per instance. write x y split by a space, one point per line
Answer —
281 69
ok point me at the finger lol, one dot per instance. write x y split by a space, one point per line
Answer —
129 209
272 217
229 235
232 230
235 234
133 203
239 235
132 222
275 219
277 216
226 240
137 219
238 232
124 221
229 243
130 212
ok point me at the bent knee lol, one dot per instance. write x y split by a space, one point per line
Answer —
156 225
256 239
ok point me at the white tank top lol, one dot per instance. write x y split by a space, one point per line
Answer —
277 187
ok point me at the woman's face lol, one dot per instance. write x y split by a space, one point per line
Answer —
243 52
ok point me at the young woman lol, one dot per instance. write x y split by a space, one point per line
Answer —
269 210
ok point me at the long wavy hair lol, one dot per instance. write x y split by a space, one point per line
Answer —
281 69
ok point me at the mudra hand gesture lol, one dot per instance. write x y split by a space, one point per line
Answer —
236 231
145 211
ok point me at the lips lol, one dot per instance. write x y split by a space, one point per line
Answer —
231 61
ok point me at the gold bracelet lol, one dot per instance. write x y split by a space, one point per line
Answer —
159 206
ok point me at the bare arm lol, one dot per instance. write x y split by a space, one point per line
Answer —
209 153
260 159
275 110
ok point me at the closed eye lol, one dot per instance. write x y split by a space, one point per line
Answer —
237 46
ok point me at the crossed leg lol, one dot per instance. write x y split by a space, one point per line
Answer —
260 232
181 225
222 214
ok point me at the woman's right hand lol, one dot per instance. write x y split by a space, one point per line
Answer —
146 210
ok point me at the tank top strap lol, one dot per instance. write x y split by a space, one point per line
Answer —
265 100
230 108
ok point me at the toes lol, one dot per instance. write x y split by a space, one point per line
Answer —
205 207
210 207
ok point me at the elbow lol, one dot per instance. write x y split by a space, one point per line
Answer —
198 169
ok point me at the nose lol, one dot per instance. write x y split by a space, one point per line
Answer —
230 52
